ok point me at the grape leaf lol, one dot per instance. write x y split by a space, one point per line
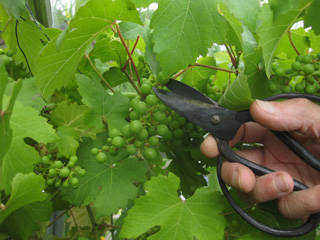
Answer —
115 76
20 225
25 123
109 185
112 109
15 7
272 30
26 189
198 216
311 18
56 69
183 30
67 145
237 96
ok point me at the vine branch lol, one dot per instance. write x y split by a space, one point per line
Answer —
93 222
132 51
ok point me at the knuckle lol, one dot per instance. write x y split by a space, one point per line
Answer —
311 202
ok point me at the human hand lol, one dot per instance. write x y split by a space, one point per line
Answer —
301 118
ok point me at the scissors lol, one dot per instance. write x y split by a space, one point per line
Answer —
223 124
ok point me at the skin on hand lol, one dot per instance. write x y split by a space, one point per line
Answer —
301 118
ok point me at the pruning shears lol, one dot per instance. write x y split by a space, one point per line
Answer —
223 124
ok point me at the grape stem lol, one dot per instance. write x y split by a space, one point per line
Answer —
93 222
132 51
292 44
231 54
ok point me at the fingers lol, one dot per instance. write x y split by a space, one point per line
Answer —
260 189
299 115
209 147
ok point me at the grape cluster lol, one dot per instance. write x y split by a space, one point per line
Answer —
215 92
305 68
152 128
58 172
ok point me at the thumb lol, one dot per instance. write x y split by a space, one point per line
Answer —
300 115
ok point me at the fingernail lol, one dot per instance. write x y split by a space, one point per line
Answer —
266 106
280 184
236 180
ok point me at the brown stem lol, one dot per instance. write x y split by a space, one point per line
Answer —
99 74
132 83
212 67
231 56
134 47
128 52
294 47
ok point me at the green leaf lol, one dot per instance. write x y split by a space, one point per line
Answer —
67 145
237 96
25 123
312 16
183 30
21 223
115 76
56 69
109 185
112 109
14 7
272 30
26 189
198 216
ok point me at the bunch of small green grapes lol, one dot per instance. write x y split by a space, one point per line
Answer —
60 173
152 128
307 67
215 92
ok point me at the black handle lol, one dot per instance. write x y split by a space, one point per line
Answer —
227 153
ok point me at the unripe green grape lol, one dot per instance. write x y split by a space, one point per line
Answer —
296 66
178 133
213 97
299 87
182 121
134 115
152 100
105 148
144 80
77 168
143 134
71 164
133 102
163 147
145 89
65 184
307 59
153 141
82 172
159 116
168 136
190 126
101 157
126 131
174 124
287 89
161 79
117 141
94 151
152 130
52 172
138 143
273 87
74 159
218 95
274 67
162 106
150 153
142 107
299 58
64 172
11 52
210 90
114 133
136 126
176 142
109 140
74 181
280 72
308 69
57 183
45 160
162 129
57 164
50 181
310 89
131 149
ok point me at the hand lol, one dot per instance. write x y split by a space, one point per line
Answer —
301 118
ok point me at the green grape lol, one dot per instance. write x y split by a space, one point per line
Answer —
45 160
218 95
144 81
280 72
307 59
74 159
109 140
126 131
287 89
65 184
74 181
152 100
136 126
153 141
143 134
296 66
162 129
152 130
299 58
299 87
114 133
64 172
131 149
273 87
105 147
57 183
168 136
190 126
178 133
118 141
308 69
142 107
134 115
11 52
212 96
77 168
58 164
310 89
133 102
150 153
94 151
50 181
174 124
145 89
101 157
52 172
210 90
162 107
159 116
163 147
176 142
82 172
182 121
274 67
161 79
138 143
71 164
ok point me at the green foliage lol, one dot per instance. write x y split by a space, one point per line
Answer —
86 135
